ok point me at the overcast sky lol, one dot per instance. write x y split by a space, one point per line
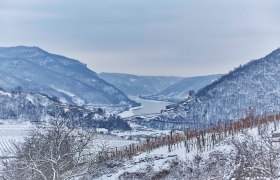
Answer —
146 37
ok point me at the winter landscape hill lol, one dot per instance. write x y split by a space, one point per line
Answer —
133 85
133 151
19 107
38 71
180 90
160 90
249 89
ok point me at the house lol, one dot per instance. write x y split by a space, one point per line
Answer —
102 131
171 106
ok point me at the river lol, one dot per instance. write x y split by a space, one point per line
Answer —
148 107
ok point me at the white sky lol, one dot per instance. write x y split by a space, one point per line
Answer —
148 37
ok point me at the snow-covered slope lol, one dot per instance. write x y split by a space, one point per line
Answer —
134 85
38 71
20 107
252 88
246 154
180 90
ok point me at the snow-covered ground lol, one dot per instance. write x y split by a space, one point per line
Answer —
159 160
12 134
127 113
140 133
220 161
112 141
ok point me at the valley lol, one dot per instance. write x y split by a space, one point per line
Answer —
144 138
139 90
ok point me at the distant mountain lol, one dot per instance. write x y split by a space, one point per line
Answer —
38 71
252 89
133 85
180 90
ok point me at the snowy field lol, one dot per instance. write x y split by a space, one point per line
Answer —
111 141
11 135
160 160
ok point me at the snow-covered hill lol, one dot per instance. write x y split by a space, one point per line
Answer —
133 85
180 90
248 152
251 153
20 107
249 89
38 71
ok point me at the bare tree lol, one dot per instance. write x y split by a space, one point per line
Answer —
256 158
17 90
58 150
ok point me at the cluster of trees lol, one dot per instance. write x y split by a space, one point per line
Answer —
35 107
247 149
58 150
227 99
245 156
250 157
63 146
18 107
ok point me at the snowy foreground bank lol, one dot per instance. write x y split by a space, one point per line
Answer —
251 154
12 134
